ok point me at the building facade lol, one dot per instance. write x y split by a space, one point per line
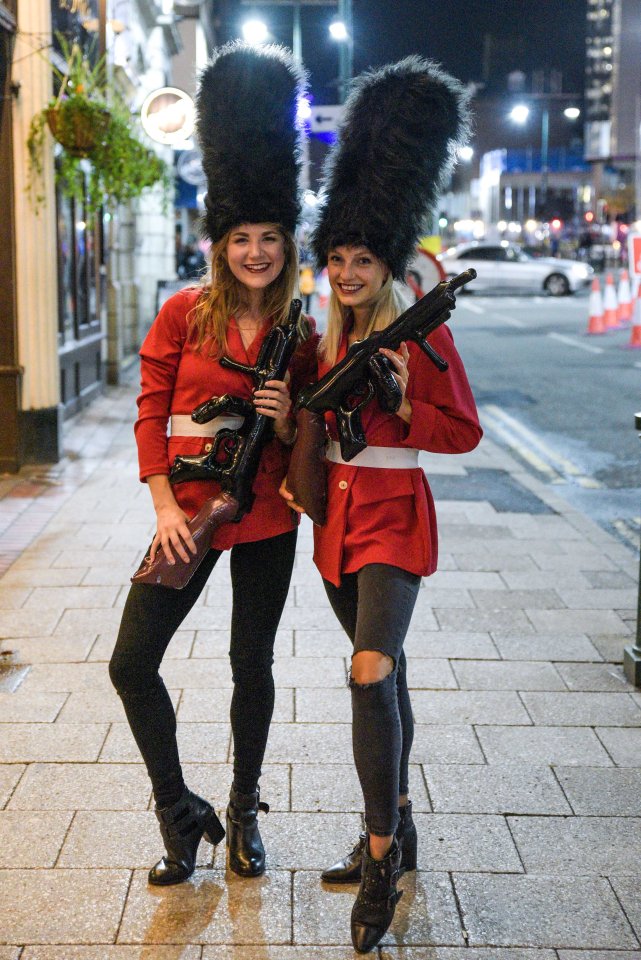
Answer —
75 300
613 101
10 373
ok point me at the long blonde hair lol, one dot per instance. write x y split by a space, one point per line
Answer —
388 305
223 296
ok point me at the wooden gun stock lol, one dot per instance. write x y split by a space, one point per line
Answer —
307 476
160 573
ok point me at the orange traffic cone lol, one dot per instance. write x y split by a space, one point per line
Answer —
635 333
595 321
610 306
624 293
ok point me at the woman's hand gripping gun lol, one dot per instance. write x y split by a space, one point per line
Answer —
349 386
233 460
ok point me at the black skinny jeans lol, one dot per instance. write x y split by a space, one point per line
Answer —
260 574
374 607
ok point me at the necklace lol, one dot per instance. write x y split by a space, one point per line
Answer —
246 328
251 327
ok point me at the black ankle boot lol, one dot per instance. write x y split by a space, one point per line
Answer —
377 897
407 838
182 826
348 870
246 850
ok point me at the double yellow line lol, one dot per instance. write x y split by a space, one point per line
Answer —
628 530
529 447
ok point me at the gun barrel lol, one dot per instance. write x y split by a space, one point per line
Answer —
459 281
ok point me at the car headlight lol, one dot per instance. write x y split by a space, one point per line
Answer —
581 270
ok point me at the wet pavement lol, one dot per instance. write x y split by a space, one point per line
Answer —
526 765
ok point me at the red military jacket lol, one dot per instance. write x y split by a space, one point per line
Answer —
378 515
174 380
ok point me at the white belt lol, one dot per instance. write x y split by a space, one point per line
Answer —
181 425
391 458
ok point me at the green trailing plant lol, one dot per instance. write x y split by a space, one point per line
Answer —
101 161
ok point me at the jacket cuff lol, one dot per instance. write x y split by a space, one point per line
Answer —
161 469
421 427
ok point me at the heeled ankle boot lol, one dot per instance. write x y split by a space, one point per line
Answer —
348 870
407 837
377 897
182 826
246 850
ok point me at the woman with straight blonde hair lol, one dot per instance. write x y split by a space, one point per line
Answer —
400 128
252 207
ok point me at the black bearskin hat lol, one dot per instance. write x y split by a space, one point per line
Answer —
247 126
396 146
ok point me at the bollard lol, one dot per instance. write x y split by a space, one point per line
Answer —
632 655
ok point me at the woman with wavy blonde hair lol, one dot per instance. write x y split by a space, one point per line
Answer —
252 207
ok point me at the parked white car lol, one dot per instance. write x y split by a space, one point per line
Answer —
504 265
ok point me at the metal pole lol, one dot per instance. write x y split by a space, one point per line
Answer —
297 41
545 137
637 157
632 655
346 51
349 23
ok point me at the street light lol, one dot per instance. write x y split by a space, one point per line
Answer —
296 5
338 30
255 31
520 113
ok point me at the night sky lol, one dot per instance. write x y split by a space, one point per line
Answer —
526 35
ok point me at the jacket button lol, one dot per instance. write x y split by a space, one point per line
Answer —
342 484
208 447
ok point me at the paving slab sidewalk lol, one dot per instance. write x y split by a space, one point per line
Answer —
526 772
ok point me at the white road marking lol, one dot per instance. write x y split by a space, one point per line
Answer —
511 321
571 342
473 307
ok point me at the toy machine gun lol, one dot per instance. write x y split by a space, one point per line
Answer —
349 386
233 460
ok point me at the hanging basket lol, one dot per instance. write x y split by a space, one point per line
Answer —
79 125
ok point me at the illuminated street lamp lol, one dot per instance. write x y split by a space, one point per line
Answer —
255 31
520 113
296 5
338 30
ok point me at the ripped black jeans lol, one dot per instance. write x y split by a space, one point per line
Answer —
374 607
260 576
